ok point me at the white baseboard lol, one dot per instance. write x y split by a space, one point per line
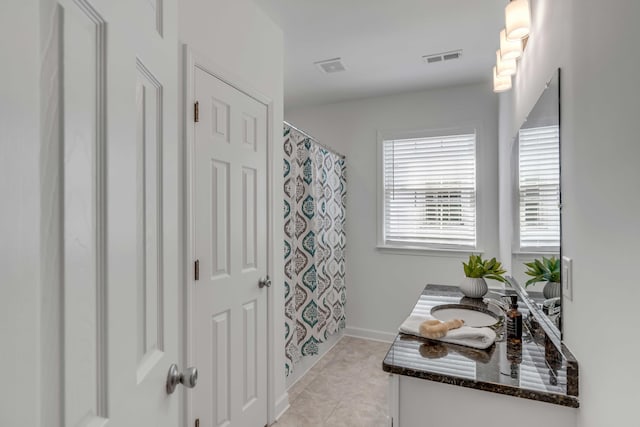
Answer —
282 404
369 334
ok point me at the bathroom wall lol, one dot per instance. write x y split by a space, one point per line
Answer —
595 45
239 37
248 47
382 287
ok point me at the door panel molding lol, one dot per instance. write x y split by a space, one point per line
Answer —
150 190
220 263
249 356
221 365
249 219
84 170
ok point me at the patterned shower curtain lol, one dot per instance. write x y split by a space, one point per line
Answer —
314 214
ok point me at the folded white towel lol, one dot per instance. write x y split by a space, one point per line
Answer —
466 335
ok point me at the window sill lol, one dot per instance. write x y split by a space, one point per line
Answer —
529 254
420 251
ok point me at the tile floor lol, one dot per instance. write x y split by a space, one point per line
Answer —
346 388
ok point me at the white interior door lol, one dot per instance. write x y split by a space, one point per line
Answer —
229 308
121 271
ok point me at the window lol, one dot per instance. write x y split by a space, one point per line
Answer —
429 192
539 188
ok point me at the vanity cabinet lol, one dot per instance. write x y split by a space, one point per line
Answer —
438 384
415 402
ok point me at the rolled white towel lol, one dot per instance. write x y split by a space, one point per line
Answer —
466 335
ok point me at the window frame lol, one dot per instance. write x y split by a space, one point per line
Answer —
432 250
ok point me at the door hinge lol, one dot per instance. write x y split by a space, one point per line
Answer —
197 423
196 270
196 112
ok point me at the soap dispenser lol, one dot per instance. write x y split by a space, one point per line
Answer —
514 321
514 356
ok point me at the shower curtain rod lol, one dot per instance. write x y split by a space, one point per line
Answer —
314 139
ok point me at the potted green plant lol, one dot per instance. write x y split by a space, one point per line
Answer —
476 271
545 269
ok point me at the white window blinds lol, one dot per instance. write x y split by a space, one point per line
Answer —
430 191
539 185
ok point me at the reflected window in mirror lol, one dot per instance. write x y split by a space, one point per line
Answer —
539 188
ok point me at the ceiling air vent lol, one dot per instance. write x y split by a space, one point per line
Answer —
330 66
444 56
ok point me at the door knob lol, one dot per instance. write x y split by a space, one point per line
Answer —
188 378
264 281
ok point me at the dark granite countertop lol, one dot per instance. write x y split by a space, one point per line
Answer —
537 369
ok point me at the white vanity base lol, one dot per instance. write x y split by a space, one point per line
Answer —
414 402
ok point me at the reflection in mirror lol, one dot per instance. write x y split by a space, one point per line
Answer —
536 262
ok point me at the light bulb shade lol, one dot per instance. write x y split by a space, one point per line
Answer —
518 19
505 67
509 49
500 83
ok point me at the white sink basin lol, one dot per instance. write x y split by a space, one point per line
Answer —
472 316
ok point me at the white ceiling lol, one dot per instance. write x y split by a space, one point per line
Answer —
381 42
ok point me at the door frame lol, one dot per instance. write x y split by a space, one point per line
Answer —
191 60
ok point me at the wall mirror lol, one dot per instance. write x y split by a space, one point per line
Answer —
536 249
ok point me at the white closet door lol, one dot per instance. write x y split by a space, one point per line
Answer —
229 315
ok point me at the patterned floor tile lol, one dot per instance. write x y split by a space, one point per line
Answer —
346 388
358 414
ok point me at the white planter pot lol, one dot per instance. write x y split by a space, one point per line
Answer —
474 287
552 290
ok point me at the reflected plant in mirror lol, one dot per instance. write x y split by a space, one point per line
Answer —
545 270
536 201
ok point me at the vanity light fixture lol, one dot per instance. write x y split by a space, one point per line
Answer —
513 40
509 49
500 83
505 67
517 19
